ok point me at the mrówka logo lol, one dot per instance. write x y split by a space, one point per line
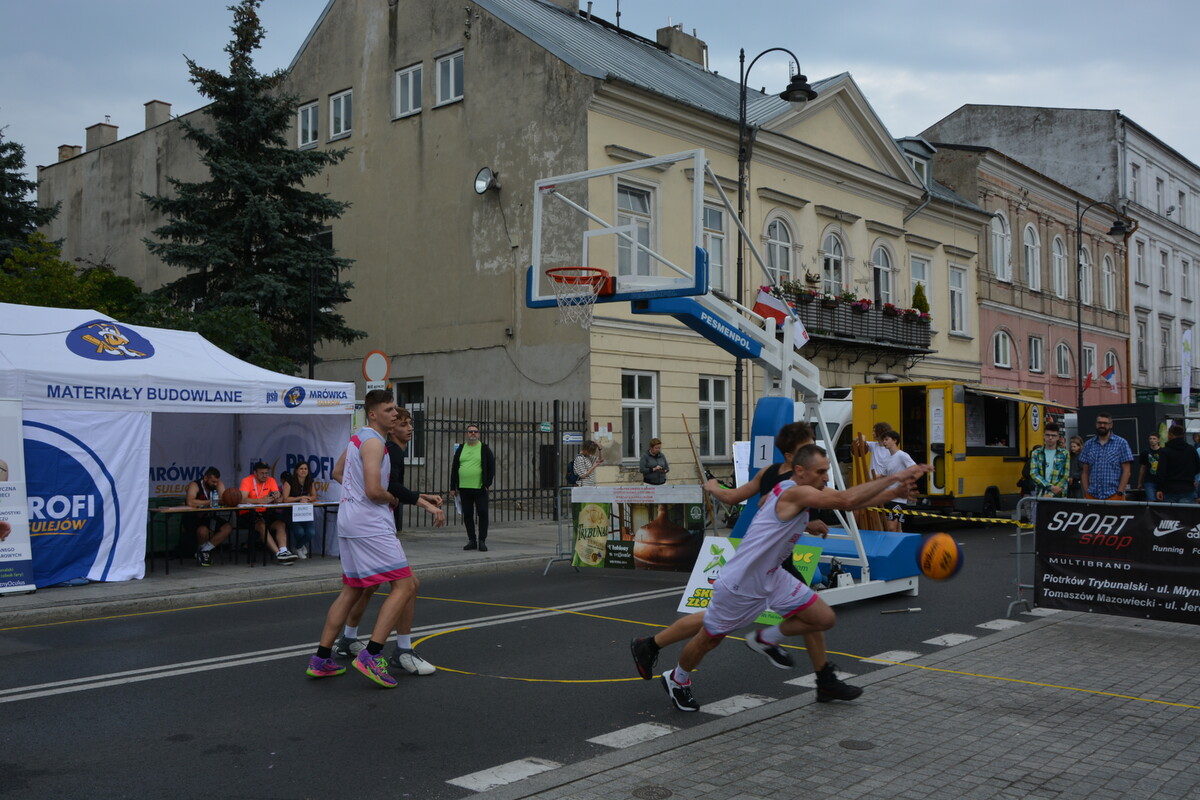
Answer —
293 397
104 340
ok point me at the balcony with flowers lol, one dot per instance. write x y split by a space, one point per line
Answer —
844 321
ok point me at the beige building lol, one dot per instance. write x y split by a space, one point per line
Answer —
425 94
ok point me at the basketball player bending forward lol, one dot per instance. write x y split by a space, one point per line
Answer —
753 580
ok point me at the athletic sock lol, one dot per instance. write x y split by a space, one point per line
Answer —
404 642
771 635
681 676
324 652
204 548
374 647
653 644
350 633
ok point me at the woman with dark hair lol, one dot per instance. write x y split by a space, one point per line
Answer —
298 487
653 464
590 457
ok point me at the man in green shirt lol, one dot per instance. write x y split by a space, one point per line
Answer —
471 475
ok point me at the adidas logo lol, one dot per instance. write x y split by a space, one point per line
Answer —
1168 526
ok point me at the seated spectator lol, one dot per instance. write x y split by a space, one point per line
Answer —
199 495
261 487
298 487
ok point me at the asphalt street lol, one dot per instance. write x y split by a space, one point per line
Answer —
213 700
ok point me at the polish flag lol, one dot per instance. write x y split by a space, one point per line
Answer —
1087 384
770 306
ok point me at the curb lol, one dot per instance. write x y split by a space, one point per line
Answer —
147 602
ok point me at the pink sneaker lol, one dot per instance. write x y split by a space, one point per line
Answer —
323 667
375 668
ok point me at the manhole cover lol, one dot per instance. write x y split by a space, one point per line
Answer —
652 793
855 744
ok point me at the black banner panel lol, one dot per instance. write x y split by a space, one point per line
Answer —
1124 559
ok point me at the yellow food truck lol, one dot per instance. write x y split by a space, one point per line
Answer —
976 438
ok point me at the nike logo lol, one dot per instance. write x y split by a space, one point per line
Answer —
1167 526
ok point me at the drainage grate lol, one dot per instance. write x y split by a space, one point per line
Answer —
855 744
652 793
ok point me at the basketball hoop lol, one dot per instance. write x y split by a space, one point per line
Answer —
576 290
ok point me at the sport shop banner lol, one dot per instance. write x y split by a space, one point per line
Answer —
716 553
86 480
284 442
637 527
183 446
1125 559
16 557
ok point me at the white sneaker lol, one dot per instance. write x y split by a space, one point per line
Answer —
302 551
413 664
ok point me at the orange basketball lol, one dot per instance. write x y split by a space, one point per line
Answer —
939 557
231 497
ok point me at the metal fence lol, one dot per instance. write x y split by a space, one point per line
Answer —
526 437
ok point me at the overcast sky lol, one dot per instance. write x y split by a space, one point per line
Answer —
67 64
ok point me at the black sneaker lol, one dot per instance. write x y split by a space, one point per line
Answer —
829 687
471 546
204 558
482 547
774 654
681 695
645 656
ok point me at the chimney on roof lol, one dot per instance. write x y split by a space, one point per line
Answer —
682 44
157 112
66 151
100 134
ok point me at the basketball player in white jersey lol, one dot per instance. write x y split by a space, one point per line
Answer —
370 552
753 580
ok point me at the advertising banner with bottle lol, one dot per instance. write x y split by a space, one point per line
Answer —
715 553
637 527
16 556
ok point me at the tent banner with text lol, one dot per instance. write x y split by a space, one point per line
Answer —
1124 559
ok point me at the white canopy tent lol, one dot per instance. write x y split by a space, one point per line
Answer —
113 413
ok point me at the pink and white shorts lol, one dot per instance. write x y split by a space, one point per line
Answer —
728 611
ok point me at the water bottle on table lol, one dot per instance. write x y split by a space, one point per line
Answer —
216 501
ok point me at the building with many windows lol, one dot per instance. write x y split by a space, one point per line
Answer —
1104 155
1030 295
426 93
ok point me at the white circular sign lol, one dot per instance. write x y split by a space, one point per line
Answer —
1035 417
376 366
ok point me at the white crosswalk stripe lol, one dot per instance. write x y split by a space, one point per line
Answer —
732 705
511 772
950 639
1000 624
635 734
894 655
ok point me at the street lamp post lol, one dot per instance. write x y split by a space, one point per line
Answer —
797 93
1118 229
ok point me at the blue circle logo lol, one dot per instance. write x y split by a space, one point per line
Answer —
105 340
293 397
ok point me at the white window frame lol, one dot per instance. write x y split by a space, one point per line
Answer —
1086 288
884 276
1089 362
1165 328
712 409
833 264
1143 352
451 84
1001 244
415 454
1058 267
634 260
308 124
1135 177
958 300
1032 251
1159 186
635 441
1164 270
410 81
1108 283
1062 360
1110 360
715 242
920 166
1002 350
341 114
1139 262
1037 354
779 249
919 276
1185 278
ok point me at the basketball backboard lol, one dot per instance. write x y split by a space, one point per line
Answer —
641 222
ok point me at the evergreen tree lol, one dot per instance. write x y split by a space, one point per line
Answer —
19 216
250 236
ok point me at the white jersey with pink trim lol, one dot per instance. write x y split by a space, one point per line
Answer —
358 515
762 550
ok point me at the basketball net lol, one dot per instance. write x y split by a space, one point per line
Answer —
576 297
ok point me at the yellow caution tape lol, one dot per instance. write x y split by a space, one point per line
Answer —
998 520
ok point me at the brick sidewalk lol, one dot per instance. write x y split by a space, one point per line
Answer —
1067 706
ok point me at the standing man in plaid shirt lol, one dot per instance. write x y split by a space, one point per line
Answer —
1107 462
1049 467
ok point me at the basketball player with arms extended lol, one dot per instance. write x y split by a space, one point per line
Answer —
753 580
370 552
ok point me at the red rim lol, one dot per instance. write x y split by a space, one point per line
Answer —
578 276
